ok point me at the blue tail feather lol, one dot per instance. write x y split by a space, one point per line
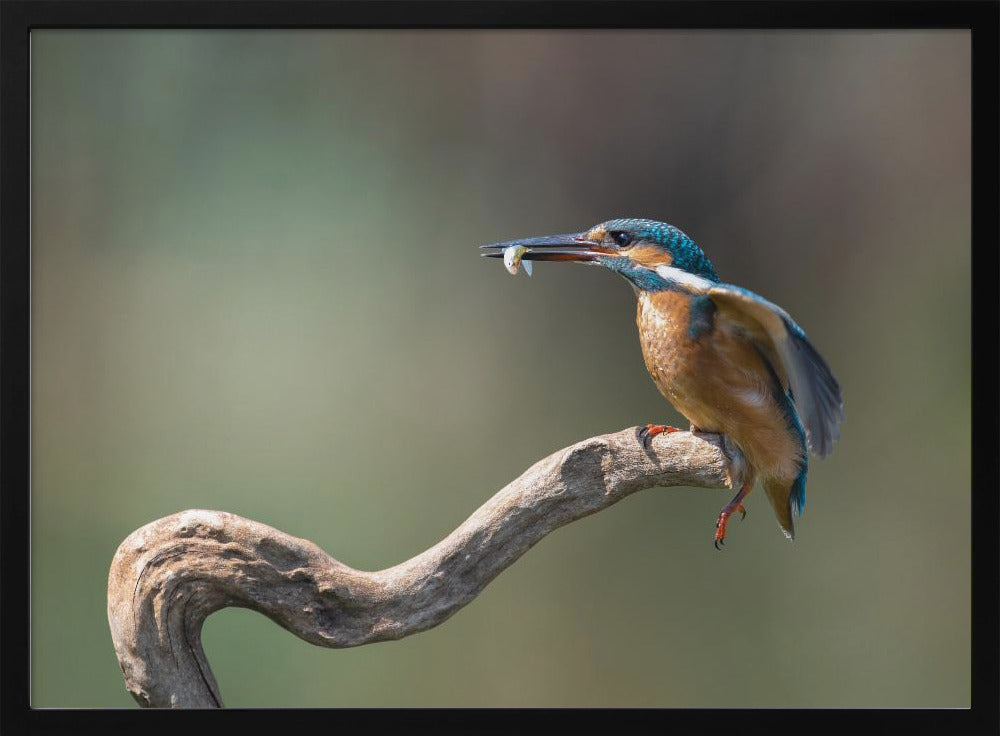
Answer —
798 492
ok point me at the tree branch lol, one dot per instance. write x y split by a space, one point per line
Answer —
168 576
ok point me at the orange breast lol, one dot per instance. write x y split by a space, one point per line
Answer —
718 381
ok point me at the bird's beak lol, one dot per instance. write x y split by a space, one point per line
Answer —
568 247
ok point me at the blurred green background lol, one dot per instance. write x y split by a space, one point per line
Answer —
255 288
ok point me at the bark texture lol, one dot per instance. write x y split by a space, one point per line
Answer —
169 575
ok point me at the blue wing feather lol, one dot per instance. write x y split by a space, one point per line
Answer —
826 409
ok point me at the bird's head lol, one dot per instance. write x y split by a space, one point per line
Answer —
651 255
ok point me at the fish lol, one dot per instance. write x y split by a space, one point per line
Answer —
512 259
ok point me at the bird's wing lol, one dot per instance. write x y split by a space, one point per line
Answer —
814 390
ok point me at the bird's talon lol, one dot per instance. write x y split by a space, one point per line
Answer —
728 510
647 433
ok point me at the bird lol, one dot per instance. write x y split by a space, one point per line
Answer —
730 361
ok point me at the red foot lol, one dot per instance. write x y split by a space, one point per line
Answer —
647 433
728 510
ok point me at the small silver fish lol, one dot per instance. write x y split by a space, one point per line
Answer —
512 259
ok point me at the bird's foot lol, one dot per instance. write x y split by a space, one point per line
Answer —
728 510
647 433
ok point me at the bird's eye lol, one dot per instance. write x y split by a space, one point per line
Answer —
621 238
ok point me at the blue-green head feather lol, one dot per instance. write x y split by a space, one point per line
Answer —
684 252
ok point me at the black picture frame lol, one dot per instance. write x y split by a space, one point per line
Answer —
19 18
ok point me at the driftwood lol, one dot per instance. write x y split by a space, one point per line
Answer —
169 575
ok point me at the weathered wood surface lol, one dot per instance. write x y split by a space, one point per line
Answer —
169 575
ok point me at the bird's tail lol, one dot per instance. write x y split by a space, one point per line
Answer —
781 501
785 497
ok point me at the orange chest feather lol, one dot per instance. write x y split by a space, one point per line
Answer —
671 355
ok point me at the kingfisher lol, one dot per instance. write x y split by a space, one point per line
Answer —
731 362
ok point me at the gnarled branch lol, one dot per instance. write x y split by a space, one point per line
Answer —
169 575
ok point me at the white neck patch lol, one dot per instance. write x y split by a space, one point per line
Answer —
683 278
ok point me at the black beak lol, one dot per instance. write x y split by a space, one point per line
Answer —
568 247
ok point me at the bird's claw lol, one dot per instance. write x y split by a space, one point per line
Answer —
728 510
647 433
720 523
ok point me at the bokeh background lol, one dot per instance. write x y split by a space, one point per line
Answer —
255 288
